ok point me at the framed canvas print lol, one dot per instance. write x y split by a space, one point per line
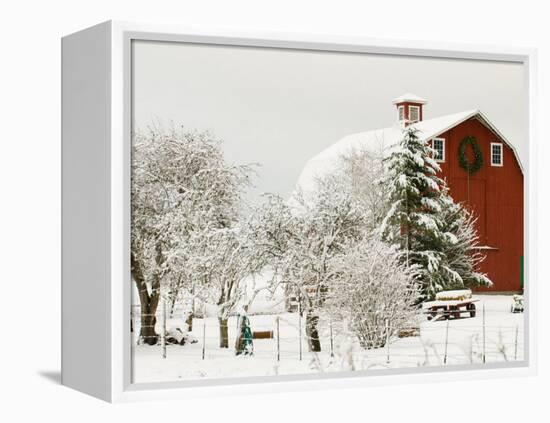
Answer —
243 210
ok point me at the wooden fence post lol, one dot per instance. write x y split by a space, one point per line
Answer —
278 340
300 325
516 344
483 332
446 342
163 337
203 336
387 341
331 340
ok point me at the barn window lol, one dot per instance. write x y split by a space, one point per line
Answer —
438 144
414 113
496 154
401 113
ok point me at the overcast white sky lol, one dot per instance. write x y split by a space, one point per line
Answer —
280 107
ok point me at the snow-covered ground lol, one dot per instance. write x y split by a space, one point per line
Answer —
464 345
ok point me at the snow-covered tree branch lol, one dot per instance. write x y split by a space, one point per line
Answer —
374 294
181 188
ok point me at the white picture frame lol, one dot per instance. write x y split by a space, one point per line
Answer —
96 113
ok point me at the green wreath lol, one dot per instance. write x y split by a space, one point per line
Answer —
471 168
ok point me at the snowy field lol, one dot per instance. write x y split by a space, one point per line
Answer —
503 342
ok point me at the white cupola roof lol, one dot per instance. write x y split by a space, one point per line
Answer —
409 98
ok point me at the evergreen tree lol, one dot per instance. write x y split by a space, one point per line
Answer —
460 253
436 237
413 222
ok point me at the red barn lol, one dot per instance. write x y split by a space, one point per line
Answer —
493 189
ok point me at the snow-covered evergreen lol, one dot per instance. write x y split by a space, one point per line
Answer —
461 255
436 237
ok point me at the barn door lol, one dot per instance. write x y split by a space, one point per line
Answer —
472 194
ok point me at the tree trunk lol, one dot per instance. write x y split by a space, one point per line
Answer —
147 332
314 343
148 302
189 321
224 334
239 338
172 304
174 294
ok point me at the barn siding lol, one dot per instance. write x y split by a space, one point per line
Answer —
496 198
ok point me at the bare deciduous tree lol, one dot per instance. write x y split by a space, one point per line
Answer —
374 293
181 186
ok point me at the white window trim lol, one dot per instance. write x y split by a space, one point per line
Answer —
433 146
399 109
418 109
501 154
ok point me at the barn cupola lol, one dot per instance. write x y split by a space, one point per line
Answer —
409 108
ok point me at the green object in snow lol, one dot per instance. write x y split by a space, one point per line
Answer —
244 343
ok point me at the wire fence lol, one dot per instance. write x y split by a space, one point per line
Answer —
286 338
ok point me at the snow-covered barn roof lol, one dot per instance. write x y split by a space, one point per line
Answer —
379 142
